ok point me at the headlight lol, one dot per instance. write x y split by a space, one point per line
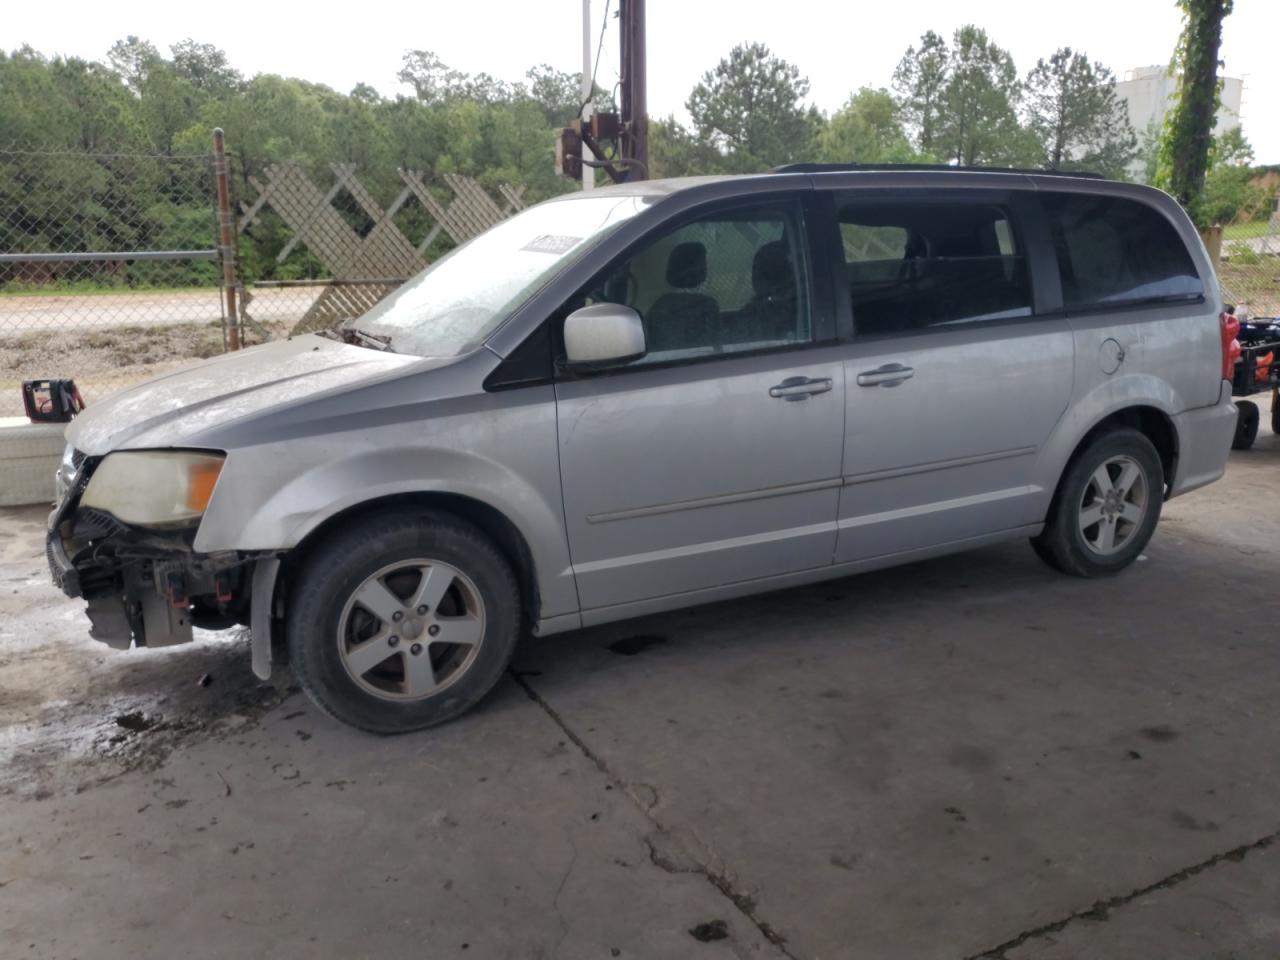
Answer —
154 488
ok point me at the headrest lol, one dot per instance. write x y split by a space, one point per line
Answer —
771 274
687 265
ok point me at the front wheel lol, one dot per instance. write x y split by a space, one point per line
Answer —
1106 506
402 621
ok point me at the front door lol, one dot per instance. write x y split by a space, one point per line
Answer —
954 381
716 457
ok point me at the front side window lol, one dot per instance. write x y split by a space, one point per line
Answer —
460 299
729 282
918 264
1113 251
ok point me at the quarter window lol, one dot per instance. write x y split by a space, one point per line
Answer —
730 282
915 265
1113 251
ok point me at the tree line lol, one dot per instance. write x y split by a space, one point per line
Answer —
951 100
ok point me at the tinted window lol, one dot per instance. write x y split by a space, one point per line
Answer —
1116 251
921 264
729 282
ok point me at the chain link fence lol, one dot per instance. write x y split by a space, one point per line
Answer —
110 267
109 271
1249 265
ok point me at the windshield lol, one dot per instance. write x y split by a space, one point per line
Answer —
460 299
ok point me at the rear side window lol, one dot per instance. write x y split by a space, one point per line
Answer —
1115 252
919 264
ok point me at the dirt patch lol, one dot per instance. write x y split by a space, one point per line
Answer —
104 360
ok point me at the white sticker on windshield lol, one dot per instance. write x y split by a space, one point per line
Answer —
551 243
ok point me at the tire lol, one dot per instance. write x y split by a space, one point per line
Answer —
1246 425
1071 545
365 657
1275 417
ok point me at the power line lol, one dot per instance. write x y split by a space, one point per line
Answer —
604 23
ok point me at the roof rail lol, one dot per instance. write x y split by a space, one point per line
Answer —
926 167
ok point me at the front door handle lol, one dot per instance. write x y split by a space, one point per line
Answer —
798 388
890 375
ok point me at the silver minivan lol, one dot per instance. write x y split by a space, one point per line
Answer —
654 395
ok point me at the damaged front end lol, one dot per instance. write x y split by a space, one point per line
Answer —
121 537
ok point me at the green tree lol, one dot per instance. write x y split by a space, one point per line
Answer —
433 81
206 67
1229 193
1184 152
1073 109
865 130
1149 152
960 101
979 123
749 107
556 92
676 151
83 123
920 82
133 58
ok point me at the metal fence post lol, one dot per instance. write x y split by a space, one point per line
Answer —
226 239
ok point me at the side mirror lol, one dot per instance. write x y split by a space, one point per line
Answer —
603 333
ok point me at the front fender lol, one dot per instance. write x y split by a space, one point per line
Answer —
269 497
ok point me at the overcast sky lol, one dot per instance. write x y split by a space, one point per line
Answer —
840 46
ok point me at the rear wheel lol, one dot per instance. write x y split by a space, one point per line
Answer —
403 621
1246 425
1275 414
1106 506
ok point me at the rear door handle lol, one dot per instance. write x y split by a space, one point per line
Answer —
798 388
890 375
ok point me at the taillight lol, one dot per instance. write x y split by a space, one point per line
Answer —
1230 345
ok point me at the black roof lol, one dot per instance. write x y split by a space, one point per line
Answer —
929 167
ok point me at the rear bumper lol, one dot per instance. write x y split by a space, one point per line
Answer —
1204 440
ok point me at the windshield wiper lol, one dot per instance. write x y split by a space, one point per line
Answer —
358 338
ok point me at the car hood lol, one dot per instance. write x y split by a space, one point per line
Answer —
165 411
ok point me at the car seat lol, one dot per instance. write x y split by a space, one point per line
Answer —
771 314
683 318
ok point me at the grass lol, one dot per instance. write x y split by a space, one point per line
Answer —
88 288
1244 231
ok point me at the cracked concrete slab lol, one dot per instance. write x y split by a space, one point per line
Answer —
1227 912
293 837
926 761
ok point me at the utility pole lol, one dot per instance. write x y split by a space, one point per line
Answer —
579 144
588 172
226 240
633 140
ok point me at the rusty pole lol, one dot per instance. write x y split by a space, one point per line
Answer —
226 239
634 138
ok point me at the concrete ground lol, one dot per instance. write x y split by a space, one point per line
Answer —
969 757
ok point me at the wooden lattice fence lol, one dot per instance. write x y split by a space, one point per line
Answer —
366 265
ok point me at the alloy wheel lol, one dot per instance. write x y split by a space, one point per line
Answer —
411 629
1113 505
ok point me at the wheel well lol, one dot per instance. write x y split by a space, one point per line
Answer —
1154 424
489 520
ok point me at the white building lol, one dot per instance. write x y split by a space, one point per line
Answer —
1148 92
